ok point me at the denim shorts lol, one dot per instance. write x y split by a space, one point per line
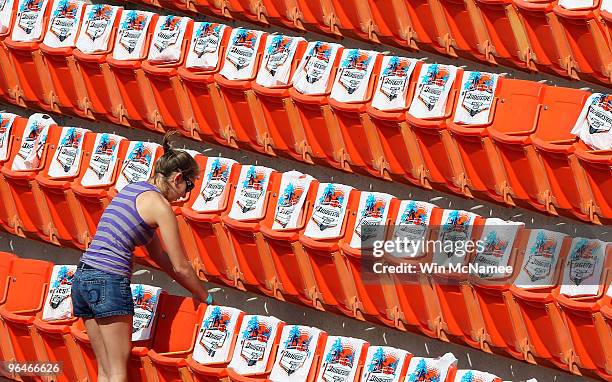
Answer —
97 294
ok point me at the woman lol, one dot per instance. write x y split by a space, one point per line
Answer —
101 293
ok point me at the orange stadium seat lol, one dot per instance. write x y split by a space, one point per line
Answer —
292 271
217 189
514 123
204 59
19 175
431 108
441 369
461 318
506 32
24 55
465 25
372 294
401 158
312 84
8 76
320 242
355 19
500 316
101 97
284 11
549 51
167 52
596 166
562 183
319 15
581 310
242 61
178 324
394 24
67 163
256 348
353 88
483 167
25 296
588 40
419 308
606 311
215 343
343 358
285 198
133 103
57 48
547 337
51 331
255 199
271 92
12 127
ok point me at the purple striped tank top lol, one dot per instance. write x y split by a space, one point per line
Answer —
120 230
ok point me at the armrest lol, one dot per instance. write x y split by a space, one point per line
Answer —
140 351
217 370
173 359
59 326
97 193
325 246
45 181
190 214
64 51
251 226
232 84
23 317
22 175
288 235
311 99
395 115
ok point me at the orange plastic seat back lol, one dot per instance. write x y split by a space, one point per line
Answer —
28 285
177 323
6 259
560 110
518 106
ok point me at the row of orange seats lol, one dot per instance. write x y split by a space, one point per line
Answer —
290 237
473 133
175 339
569 37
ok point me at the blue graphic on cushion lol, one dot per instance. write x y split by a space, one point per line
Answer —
134 21
30 6
356 59
383 363
65 9
99 12
298 340
340 354
207 28
479 81
374 207
414 214
217 319
396 67
332 196
436 74
64 277
424 374
254 179
218 170
279 44
256 330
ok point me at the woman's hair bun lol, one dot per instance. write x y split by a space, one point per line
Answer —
167 143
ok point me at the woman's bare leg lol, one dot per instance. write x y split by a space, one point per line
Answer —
117 335
97 343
